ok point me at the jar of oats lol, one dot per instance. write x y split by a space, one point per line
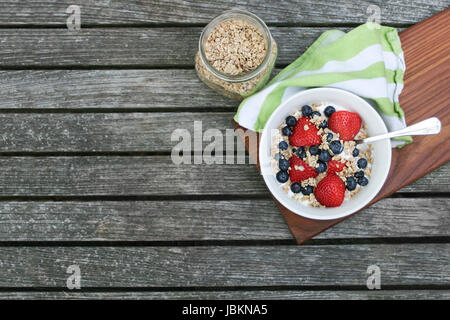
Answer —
236 54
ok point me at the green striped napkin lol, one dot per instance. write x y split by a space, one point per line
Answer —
367 61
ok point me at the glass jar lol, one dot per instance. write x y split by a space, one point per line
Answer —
246 83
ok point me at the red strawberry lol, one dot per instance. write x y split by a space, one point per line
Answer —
304 134
346 123
335 166
330 191
303 172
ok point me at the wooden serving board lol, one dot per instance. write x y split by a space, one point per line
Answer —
426 46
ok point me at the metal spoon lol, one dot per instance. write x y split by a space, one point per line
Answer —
425 127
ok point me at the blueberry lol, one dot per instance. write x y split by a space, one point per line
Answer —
324 155
294 150
329 137
306 110
315 113
359 174
307 190
336 146
282 176
313 150
329 111
283 145
291 121
363 181
351 184
296 187
362 163
355 152
286 131
301 153
283 164
323 124
322 166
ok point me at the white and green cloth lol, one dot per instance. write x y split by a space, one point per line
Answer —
367 61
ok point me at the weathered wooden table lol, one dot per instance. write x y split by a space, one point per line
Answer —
87 179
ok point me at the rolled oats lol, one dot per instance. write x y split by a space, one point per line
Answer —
234 47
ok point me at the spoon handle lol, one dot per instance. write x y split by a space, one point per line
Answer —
425 127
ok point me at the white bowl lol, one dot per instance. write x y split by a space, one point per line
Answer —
381 153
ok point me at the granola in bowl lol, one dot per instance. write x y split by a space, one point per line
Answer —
315 157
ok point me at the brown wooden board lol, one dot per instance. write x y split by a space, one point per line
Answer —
426 46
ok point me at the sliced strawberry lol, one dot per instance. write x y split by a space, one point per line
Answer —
304 134
330 191
346 123
300 170
335 166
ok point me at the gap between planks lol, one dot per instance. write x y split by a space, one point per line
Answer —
226 243
250 294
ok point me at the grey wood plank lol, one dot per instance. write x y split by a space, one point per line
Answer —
150 11
117 175
418 264
207 220
237 295
86 132
107 89
428 182
396 217
126 47
112 132
146 175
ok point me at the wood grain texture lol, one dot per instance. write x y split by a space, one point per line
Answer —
127 47
121 35
421 264
255 219
236 295
426 84
108 132
108 89
145 175
52 12
81 132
